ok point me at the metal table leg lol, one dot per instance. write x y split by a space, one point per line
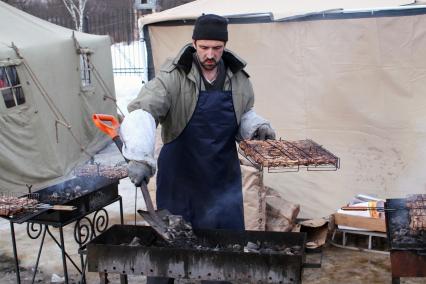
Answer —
82 262
61 245
121 211
64 260
39 253
123 279
103 278
15 253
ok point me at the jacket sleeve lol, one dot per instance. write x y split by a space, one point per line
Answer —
154 98
145 113
249 94
137 132
250 120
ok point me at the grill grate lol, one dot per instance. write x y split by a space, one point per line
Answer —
416 205
117 171
282 155
19 207
14 204
401 235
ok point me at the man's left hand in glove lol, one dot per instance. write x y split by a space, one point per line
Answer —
264 132
139 172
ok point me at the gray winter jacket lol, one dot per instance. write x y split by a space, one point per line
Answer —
171 97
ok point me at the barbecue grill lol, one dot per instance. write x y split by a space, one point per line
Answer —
407 244
216 255
288 156
85 193
88 194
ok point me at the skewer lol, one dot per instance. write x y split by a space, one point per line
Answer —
368 208
379 209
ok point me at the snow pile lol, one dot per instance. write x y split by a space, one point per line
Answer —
126 89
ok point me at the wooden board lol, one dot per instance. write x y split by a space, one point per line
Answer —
367 223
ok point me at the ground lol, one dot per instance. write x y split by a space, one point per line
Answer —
339 266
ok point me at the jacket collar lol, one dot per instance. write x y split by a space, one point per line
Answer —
185 58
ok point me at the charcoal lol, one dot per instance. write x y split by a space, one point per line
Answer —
251 247
183 236
180 232
135 242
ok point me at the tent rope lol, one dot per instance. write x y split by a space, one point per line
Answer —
102 83
104 87
60 118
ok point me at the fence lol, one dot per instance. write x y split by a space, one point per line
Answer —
121 26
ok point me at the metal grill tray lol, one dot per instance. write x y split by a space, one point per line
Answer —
85 193
93 192
288 156
110 252
398 227
22 211
24 216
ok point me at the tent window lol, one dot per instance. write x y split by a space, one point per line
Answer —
10 87
85 70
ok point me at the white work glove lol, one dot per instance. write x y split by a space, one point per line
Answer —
264 132
139 172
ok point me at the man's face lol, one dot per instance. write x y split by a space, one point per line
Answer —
209 52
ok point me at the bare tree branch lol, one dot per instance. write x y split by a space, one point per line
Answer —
76 10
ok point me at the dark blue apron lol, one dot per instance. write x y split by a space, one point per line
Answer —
199 174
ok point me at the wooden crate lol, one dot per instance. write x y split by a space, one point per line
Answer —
367 223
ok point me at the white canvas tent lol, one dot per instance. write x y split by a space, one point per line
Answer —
51 83
347 74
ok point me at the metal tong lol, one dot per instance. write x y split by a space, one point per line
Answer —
152 217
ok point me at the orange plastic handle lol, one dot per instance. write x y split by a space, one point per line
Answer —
110 130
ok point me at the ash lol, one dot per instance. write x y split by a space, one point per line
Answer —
405 236
182 236
267 248
251 247
64 195
180 232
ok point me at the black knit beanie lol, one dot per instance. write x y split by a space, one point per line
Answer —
211 27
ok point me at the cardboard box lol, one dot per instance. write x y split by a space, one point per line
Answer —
366 223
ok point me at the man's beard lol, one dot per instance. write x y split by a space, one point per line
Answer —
210 65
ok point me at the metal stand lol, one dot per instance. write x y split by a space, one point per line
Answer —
407 263
15 253
85 229
369 234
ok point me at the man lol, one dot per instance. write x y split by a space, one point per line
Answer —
203 99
